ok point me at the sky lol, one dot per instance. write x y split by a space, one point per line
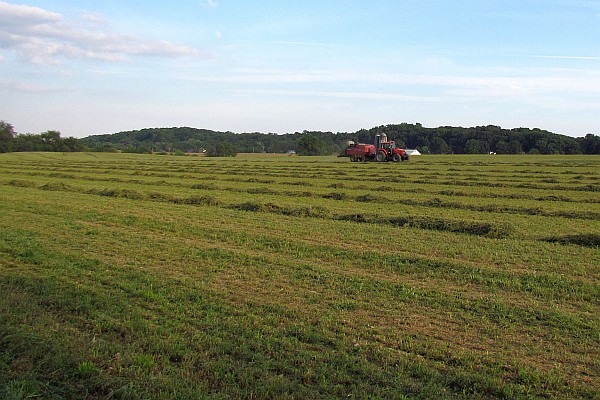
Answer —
86 67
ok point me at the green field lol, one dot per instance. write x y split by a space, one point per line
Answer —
265 276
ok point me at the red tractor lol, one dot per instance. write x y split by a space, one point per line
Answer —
382 150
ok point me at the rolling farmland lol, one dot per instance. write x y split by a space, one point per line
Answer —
264 276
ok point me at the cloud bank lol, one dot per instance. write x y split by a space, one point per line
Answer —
44 37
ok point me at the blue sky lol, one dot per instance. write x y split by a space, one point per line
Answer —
91 67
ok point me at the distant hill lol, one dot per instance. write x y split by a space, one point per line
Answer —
441 140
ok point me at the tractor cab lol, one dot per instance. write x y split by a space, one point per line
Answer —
389 146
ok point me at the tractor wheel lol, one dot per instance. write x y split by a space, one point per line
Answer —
352 158
396 158
359 159
380 156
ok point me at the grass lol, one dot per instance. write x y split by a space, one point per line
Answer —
128 276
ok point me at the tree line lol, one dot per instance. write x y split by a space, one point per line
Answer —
182 140
46 141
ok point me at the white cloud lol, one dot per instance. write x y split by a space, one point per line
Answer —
340 95
22 87
44 37
503 82
212 4
16 14
94 18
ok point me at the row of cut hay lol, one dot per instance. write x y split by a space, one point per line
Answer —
367 198
494 230
413 178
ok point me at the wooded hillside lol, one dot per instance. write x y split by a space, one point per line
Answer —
441 140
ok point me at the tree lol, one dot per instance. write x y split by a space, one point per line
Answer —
423 149
52 140
473 146
400 143
502 147
515 147
311 145
542 146
438 146
223 149
28 142
72 144
590 144
7 135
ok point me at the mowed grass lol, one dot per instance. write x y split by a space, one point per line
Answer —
263 276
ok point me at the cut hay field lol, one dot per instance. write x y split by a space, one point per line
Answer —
263 276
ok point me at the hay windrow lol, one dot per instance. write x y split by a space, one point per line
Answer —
585 239
485 229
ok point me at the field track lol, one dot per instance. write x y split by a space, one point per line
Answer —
268 276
